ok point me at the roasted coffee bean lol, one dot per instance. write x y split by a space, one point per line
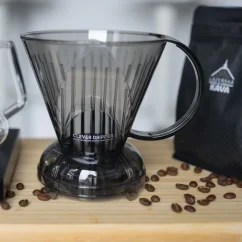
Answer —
24 203
182 186
145 201
229 181
147 179
190 209
205 179
5 205
222 177
190 199
161 173
36 192
20 186
154 178
198 169
229 195
43 197
172 171
203 202
10 194
235 180
149 187
210 184
203 189
155 199
45 190
222 182
193 184
185 166
176 208
213 175
239 184
211 198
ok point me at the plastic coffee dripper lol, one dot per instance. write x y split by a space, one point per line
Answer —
93 82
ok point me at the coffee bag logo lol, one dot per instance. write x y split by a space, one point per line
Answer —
222 80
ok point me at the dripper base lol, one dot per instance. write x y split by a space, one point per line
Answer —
93 176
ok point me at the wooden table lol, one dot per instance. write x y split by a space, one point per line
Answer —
116 220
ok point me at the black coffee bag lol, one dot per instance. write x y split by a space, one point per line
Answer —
214 139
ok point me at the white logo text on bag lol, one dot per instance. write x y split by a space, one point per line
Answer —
222 80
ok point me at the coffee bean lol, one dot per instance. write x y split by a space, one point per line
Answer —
222 177
45 190
10 194
149 187
203 202
176 208
198 169
230 195
145 202
222 182
211 198
43 197
239 184
20 186
205 179
193 184
147 179
161 173
53 195
203 189
154 178
172 171
235 180
5 205
190 199
210 184
155 199
36 192
24 203
190 209
185 166
229 181
182 186
213 175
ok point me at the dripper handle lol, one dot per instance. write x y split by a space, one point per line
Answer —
182 122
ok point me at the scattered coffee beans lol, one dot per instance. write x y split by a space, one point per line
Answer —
185 166
20 186
203 189
176 208
43 197
213 175
145 201
198 169
210 184
190 209
154 178
5 205
172 171
24 203
230 195
235 180
36 192
161 173
205 179
45 190
211 198
182 186
203 202
222 182
193 184
147 179
190 199
229 181
10 194
155 199
149 187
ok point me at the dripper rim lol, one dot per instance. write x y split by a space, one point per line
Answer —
31 36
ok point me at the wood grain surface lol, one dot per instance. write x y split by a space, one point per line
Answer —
66 219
